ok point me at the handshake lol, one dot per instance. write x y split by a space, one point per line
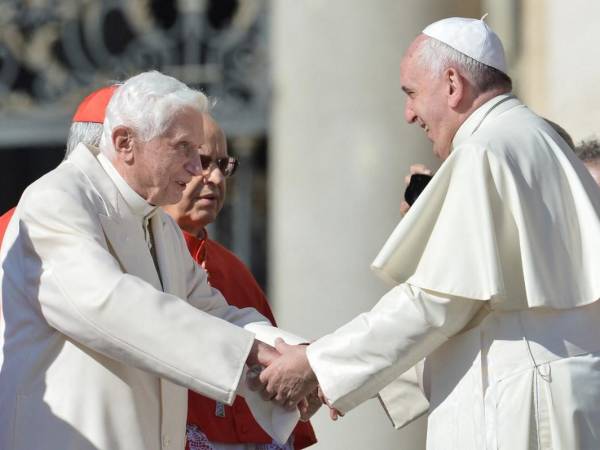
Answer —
282 374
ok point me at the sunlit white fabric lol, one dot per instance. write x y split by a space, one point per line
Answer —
359 359
512 216
496 267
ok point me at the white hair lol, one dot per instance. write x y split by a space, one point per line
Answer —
438 56
147 103
88 133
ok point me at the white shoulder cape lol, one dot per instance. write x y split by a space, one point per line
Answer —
511 216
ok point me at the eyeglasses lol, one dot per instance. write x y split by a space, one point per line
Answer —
227 165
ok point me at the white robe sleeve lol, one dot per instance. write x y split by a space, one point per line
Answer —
359 359
404 399
493 207
61 260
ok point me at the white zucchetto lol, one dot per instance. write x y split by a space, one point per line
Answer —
471 37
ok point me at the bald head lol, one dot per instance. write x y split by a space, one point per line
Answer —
213 134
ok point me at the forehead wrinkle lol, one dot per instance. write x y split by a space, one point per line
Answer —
179 133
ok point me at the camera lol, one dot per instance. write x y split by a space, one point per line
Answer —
418 181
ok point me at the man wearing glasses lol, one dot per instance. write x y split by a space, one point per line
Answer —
212 424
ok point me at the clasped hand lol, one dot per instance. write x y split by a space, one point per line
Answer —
287 379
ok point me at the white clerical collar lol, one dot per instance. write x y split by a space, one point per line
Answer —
136 203
472 123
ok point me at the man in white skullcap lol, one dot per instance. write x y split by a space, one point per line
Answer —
495 269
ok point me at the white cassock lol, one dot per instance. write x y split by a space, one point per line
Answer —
497 274
99 340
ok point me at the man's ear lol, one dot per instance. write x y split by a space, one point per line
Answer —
123 142
455 84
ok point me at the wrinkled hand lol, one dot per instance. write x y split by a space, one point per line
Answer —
289 378
414 169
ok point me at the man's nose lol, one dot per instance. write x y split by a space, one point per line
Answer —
215 176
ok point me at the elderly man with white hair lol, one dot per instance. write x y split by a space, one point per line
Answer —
495 267
106 318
